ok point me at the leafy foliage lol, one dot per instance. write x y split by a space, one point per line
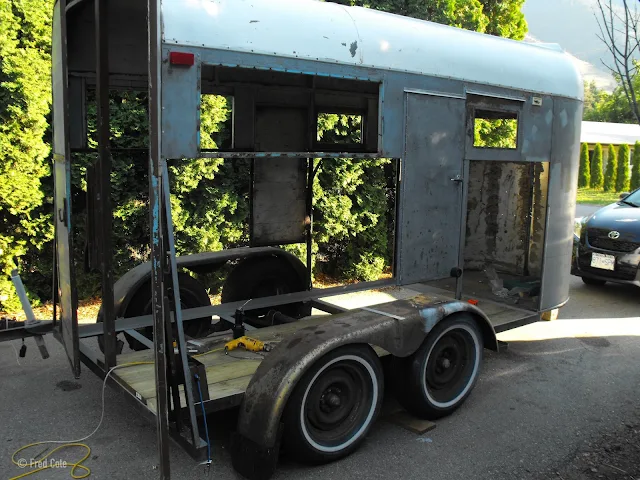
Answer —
601 106
584 174
622 177
495 17
597 177
611 172
635 173
25 92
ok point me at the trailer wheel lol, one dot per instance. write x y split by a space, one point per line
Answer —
439 376
334 405
264 277
192 294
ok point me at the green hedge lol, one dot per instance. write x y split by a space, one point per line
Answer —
584 174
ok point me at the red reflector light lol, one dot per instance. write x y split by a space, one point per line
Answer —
182 58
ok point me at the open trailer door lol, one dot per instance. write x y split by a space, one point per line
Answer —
68 327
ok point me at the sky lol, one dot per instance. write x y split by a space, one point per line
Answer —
573 25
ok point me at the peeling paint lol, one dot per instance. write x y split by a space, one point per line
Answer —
353 49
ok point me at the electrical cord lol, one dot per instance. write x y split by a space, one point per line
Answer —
22 463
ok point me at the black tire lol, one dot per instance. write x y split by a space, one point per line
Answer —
439 376
192 294
264 277
334 405
593 281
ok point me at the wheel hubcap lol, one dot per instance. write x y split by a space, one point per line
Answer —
337 404
449 365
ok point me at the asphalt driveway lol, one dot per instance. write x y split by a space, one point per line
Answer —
558 386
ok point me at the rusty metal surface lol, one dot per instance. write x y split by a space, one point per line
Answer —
400 329
431 187
278 204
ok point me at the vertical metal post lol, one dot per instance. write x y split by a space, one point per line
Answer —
105 213
157 247
309 226
182 347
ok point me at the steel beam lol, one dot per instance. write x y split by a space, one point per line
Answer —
105 214
228 309
157 243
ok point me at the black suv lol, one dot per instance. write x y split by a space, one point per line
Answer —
607 244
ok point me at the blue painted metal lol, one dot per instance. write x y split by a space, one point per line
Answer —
180 109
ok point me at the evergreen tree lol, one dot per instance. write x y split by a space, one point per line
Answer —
611 171
635 173
25 93
597 178
584 174
622 178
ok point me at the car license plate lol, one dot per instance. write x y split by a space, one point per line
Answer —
600 260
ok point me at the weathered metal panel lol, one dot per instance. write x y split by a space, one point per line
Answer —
536 124
498 217
540 194
392 89
278 209
62 193
563 179
364 37
180 109
431 185
127 37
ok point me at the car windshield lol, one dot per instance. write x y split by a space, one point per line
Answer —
633 199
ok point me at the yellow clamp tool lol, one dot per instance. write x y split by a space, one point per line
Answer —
250 344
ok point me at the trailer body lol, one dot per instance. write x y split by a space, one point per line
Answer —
466 207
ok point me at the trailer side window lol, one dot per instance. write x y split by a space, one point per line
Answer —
339 128
216 122
495 129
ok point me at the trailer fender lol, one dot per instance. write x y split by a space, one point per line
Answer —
126 286
399 327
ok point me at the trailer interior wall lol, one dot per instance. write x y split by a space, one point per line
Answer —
506 210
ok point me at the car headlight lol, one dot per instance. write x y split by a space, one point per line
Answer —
577 226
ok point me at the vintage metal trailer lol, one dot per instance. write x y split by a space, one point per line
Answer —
475 217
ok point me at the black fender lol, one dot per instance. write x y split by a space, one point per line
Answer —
399 327
126 286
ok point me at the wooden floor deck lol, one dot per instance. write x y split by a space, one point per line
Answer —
229 375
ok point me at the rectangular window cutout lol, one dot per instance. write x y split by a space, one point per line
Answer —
494 129
339 129
216 122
